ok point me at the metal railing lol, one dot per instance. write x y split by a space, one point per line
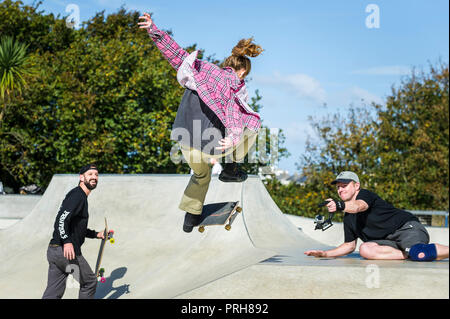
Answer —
431 213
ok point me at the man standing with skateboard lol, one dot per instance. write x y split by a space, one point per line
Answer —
70 230
388 233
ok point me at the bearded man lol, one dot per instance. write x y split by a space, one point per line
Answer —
70 230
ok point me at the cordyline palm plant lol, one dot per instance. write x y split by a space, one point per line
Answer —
14 67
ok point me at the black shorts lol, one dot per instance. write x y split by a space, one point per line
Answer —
409 234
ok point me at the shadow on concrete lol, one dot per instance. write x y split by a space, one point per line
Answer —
274 259
104 289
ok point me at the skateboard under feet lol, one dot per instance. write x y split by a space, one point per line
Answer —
219 214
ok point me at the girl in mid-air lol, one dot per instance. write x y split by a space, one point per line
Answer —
214 119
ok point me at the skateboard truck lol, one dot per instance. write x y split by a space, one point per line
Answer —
111 236
321 222
101 272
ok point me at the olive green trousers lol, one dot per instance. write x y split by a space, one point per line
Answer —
200 163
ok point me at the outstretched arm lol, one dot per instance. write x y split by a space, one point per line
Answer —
168 47
342 250
351 207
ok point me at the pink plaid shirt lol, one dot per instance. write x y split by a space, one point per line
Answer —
221 89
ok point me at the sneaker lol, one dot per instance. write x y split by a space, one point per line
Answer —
190 220
231 173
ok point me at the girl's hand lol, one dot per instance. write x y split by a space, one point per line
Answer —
225 143
147 23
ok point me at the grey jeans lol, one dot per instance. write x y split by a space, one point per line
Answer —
409 234
60 268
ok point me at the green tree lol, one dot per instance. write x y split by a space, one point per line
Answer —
102 94
28 24
14 67
14 71
341 143
108 98
413 141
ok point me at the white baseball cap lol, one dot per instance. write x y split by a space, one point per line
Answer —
346 177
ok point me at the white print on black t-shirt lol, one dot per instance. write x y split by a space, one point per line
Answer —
62 232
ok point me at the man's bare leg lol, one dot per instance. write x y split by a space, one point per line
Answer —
442 252
374 251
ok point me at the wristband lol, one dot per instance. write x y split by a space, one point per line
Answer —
340 205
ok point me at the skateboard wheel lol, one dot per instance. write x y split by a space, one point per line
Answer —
239 209
112 240
201 229
103 280
227 227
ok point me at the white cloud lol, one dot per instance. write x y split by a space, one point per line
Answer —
385 70
302 85
297 133
311 92
355 95
359 94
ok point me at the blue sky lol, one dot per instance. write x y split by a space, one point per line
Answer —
316 52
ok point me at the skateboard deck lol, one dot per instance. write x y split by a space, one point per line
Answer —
218 214
99 272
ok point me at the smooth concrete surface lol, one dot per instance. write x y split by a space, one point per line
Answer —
260 257
17 206
314 282
8 222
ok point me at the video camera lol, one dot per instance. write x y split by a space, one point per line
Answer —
321 222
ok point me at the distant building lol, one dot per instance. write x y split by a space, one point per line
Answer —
269 172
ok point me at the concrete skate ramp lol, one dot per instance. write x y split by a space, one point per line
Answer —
17 206
152 256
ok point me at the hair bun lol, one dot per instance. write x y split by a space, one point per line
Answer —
246 47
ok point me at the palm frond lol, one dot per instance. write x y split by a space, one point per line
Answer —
13 66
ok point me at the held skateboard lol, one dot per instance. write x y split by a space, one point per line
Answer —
99 272
218 214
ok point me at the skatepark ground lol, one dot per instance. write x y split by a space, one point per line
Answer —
262 256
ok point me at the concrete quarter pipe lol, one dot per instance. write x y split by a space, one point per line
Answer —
154 258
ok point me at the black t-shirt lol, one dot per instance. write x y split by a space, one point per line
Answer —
72 220
377 222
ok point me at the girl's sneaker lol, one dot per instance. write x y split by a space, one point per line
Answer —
231 173
190 220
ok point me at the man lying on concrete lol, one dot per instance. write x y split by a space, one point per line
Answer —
387 232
